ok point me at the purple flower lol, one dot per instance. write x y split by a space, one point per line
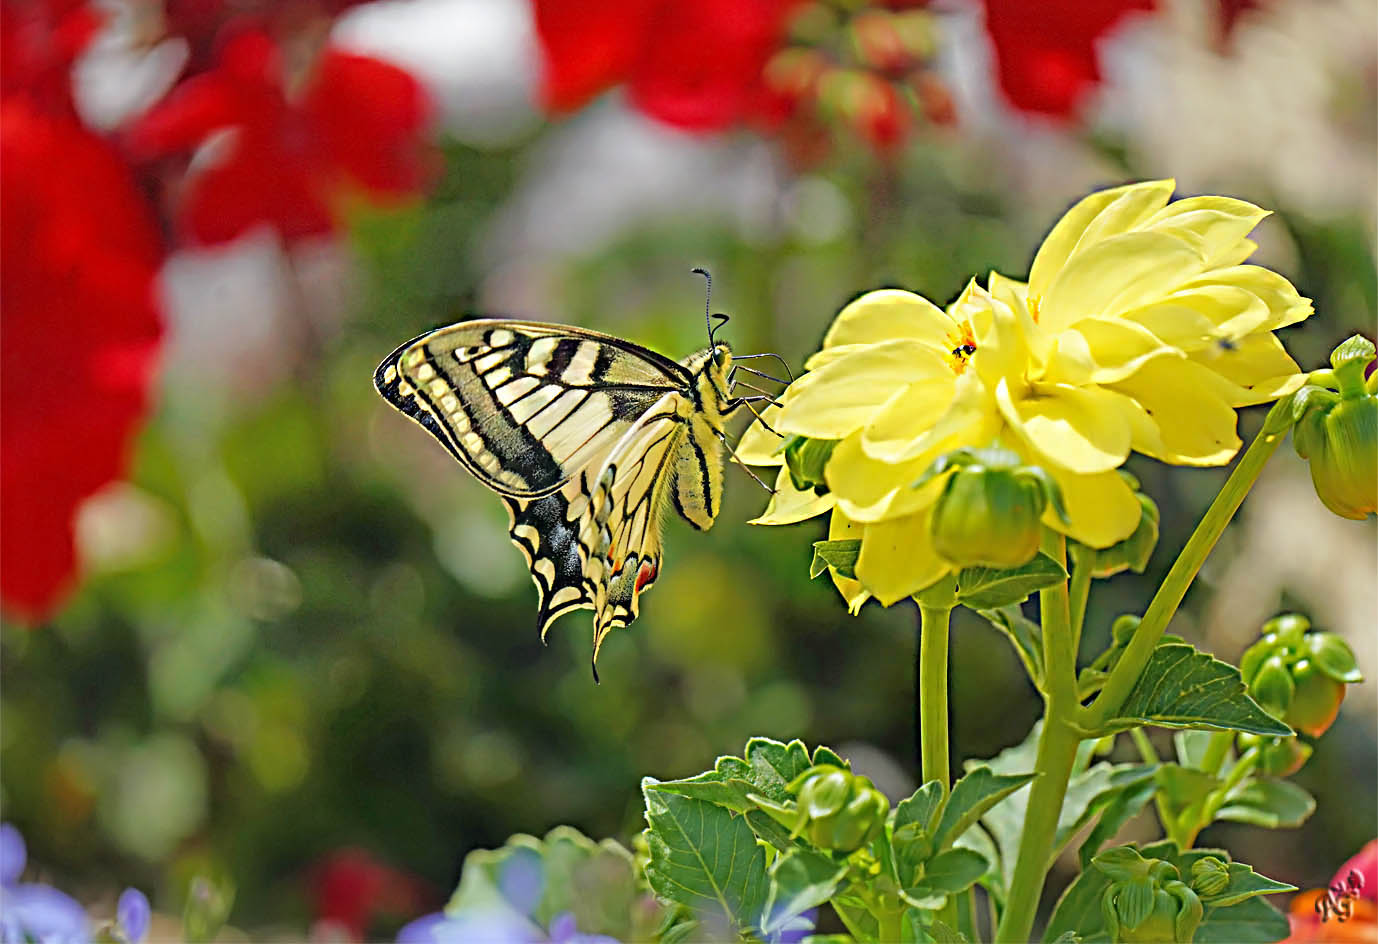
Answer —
494 927
563 930
33 912
132 914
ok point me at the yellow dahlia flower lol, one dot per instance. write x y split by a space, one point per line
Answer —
1140 329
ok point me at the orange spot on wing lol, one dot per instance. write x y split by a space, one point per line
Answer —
646 574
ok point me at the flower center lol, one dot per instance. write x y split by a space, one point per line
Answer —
963 346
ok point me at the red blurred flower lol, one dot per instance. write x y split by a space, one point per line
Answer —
1361 926
39 41
79 334
696 66
202 22
296 145
1045 50
351 889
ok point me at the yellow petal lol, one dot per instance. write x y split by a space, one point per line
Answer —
842 529
830 402
894 429
789 505
1214 226
1114 350
1186 401
897 557
1079 428
758 445
1117 275
1258 362
1068 232
969 418
1282 303
1101 507
887 314
868 489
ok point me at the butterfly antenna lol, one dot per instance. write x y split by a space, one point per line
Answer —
708 316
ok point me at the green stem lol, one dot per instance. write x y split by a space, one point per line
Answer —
933 692
1077 595
1057 752
1216 751
1242 768
1150 756
1174 587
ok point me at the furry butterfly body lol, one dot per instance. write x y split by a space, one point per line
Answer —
587 438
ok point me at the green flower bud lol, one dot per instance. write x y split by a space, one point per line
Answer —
1287 629
1336 431
1146 900
1332 655
990 513
1272 686
837 810
1315 701
1209 876
806 459
1277 756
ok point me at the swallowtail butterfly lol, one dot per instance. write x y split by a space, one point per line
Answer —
587 439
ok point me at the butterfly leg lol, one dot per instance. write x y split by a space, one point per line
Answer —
746 468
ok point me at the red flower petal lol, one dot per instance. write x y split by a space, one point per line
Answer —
1045 52
285 162
79 333
589 47
696 66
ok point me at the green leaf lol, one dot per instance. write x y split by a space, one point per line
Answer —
1023 634
1272 804
1182 787
988 588
775 765
727 785
706 858
1249 922
1123 807
978 840
564 872
924 897
919 809
972 797
1092 791
826 755
939 932
1183 688
839 555
799 880
954 870
914 823
1245 883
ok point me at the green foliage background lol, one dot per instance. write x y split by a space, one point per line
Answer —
332 643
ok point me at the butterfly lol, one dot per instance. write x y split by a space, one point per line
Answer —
587 438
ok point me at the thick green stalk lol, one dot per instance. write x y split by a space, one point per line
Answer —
1174 587
933 693
1057 752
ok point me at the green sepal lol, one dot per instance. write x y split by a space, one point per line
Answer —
841 556
989 588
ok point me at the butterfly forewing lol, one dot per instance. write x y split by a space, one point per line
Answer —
524 405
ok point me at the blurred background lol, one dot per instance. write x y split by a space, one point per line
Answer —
259 626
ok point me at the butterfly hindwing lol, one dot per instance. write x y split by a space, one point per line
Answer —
523 405
548 537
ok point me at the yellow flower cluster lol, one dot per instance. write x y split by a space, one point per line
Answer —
1140 329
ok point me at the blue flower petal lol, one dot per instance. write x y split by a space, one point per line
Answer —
44 914
489 927
12 854
132 914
